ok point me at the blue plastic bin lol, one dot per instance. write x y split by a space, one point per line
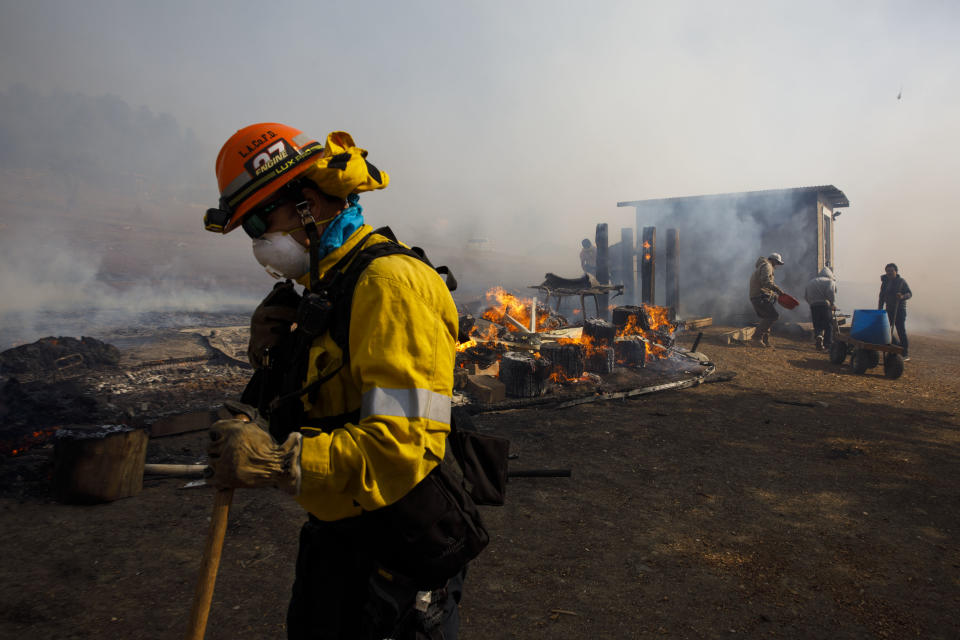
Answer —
870 325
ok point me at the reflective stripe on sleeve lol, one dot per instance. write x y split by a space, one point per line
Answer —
406 403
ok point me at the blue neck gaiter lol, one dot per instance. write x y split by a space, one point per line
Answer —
342 227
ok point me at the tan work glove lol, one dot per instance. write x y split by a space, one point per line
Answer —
242 455
272 320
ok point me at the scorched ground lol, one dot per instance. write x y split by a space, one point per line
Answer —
797 500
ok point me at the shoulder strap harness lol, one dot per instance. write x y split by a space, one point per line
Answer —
326 307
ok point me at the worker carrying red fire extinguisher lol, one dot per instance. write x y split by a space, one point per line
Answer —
350 401
763 294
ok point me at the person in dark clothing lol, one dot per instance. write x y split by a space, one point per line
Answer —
894 293
588 257
821 295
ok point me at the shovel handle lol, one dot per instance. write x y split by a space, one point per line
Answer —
203 595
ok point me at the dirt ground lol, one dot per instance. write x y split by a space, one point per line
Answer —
796 500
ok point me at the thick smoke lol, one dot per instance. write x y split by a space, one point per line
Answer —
720 239
95 223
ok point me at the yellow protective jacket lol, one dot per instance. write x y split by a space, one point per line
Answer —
403 328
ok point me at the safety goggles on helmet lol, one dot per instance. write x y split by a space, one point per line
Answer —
256 222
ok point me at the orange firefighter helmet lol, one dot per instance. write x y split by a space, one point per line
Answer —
257 161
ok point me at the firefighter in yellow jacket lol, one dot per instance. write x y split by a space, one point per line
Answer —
349 408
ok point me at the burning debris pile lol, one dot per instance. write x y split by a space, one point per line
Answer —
532 349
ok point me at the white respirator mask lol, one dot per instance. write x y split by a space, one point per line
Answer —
281 255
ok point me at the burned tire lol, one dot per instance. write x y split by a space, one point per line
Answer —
893 365
860 360
838 352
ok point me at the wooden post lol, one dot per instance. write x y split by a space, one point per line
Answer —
603 266
627 254
646 263
673 271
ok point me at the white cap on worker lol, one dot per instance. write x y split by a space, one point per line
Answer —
776 257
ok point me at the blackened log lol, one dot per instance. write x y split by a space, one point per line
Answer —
599 360
523 375
631 353
466 325
483 354
599 331
622 315
664 337
567 358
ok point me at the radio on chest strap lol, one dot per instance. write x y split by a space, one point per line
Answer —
324 309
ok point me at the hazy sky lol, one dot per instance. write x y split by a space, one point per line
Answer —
526 122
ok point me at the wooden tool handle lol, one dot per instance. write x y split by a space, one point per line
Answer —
209 565
174 470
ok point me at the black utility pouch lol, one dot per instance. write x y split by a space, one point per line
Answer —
432 532
484 464
482 459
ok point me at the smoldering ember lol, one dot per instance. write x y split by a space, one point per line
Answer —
667 476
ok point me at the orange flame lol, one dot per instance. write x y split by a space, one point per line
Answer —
28 441
660 319
477 337
590 347
503 303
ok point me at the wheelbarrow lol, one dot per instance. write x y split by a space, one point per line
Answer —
865 355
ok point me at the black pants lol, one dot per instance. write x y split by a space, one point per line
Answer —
767 314
341 593
899 322
822 322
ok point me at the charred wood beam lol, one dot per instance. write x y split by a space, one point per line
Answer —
673 271
627 253
646 264
539 473
680 384
603 268
696 343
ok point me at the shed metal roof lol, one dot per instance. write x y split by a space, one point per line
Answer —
829 193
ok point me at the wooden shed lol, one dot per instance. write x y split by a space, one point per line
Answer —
719 238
